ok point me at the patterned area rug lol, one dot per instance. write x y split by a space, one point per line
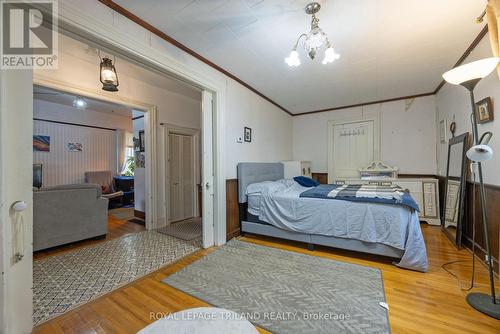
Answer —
185 230
62 282
287 292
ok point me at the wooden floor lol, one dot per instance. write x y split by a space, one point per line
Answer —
418 302
116 228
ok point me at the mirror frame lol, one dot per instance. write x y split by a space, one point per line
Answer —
463 138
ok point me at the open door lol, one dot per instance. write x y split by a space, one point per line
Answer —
16 176
207 169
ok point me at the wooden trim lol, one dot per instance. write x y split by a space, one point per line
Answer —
119 9
480 253
233 234
140 214
365 103
233 227
467 52
75 124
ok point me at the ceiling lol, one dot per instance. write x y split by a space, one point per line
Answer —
388 48
66 99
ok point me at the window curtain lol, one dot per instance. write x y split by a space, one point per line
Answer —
124 144
493 15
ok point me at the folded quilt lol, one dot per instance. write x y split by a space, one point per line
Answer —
387 194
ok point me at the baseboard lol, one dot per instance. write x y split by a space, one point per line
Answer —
140 214
480 253
233 234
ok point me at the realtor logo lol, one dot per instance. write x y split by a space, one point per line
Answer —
29 34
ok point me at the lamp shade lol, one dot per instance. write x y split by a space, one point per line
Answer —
475 70
480 153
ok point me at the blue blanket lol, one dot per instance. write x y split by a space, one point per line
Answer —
323 190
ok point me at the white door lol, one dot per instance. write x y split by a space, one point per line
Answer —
16 175
181 168
208 169
352 145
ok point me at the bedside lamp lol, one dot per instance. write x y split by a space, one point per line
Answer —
468 76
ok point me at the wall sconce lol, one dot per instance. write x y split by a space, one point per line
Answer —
109 78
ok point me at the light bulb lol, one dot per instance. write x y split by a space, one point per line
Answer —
479 153
330 56
475 70
108 75
293 59
79 103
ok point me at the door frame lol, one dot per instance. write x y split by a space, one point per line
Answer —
375 118
169 129
150 116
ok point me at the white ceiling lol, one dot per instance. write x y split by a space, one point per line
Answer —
388 48
66 99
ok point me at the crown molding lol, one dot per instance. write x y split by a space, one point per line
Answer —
467 52
365 104
119 9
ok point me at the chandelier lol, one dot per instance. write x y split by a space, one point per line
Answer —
315 41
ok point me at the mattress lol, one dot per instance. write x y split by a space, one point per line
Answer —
278 203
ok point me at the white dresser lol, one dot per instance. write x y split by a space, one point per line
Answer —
425 191
297 168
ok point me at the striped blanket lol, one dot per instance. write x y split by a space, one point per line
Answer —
368 191
385 194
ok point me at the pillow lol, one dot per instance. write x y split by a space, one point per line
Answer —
305 181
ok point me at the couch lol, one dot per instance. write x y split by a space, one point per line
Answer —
68 213
104 178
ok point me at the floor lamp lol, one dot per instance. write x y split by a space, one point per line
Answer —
468 76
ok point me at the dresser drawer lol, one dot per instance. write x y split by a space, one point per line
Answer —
430 199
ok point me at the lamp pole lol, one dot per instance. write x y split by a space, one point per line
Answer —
476 300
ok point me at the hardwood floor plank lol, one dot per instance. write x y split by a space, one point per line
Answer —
429 302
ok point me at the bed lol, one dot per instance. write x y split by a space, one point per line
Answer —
273 206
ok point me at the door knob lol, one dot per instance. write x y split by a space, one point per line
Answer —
19 206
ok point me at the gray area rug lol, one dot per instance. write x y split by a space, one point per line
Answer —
62 282
186 230
287 292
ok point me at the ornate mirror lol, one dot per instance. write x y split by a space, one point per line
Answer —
454 189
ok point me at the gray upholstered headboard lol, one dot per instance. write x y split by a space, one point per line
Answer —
253 172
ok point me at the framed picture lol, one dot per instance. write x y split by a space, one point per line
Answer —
75 147
443 128
484 110
41 143
141 141
247 134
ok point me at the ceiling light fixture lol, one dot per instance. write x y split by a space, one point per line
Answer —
315 40
79 103
108 76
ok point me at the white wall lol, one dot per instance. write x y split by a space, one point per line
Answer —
271 129
454 101
408 134
61 166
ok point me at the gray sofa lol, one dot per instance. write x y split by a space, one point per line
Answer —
68 213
